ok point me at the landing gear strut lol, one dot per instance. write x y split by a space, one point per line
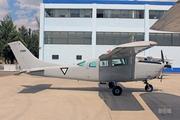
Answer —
116 90
111 85
148 87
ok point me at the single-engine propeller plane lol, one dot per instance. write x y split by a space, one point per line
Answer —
119 65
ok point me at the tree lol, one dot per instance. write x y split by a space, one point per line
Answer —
8 33
31 39
34 45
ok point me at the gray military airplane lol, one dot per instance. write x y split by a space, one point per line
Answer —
119 65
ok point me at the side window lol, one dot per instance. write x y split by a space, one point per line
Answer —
103 63
92 64
119 62
81 63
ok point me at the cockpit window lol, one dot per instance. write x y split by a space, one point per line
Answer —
81 63
120 61
103 63
92 64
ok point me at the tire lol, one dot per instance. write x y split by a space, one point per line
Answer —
117 91
111 85
149 88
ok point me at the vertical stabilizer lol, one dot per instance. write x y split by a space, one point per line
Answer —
25 58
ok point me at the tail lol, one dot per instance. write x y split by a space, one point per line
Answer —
25 58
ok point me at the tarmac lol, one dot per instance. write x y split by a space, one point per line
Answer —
28 97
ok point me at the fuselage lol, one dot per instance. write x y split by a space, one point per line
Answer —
97 70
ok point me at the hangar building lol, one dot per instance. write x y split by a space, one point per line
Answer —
75 30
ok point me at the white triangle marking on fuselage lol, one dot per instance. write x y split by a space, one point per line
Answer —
64 70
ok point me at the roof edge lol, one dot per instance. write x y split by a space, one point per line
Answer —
107 2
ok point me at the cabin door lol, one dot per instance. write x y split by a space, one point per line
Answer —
104 71
118 69
121 69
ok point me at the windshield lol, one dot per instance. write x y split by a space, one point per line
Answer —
81 63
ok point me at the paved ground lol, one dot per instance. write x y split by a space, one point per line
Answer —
27 97
5 73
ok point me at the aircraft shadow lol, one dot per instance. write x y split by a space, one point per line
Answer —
41 87
35 88
124 102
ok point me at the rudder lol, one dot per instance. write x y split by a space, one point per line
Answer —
25 58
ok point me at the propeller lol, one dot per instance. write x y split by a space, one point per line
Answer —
162 59
162 56
167 65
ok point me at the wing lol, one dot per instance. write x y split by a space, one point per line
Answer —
155 58
129 49
170 20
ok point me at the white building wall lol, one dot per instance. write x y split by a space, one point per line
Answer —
120 25
68 24
67 53
41 36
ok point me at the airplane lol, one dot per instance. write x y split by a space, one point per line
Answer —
118 65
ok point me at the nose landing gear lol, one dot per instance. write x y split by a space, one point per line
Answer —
148 87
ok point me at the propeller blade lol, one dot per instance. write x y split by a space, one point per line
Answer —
162 56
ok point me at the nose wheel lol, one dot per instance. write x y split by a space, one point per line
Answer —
148 87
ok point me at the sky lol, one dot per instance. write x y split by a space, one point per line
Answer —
24 12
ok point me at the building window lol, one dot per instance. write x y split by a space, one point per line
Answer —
55 57
78 57
116 38
68 13
156 14
135 14
99 13
139 14
175 39
55 37
165 39
74 13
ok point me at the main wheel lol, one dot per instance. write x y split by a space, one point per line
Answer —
149 88
111 85
117 91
